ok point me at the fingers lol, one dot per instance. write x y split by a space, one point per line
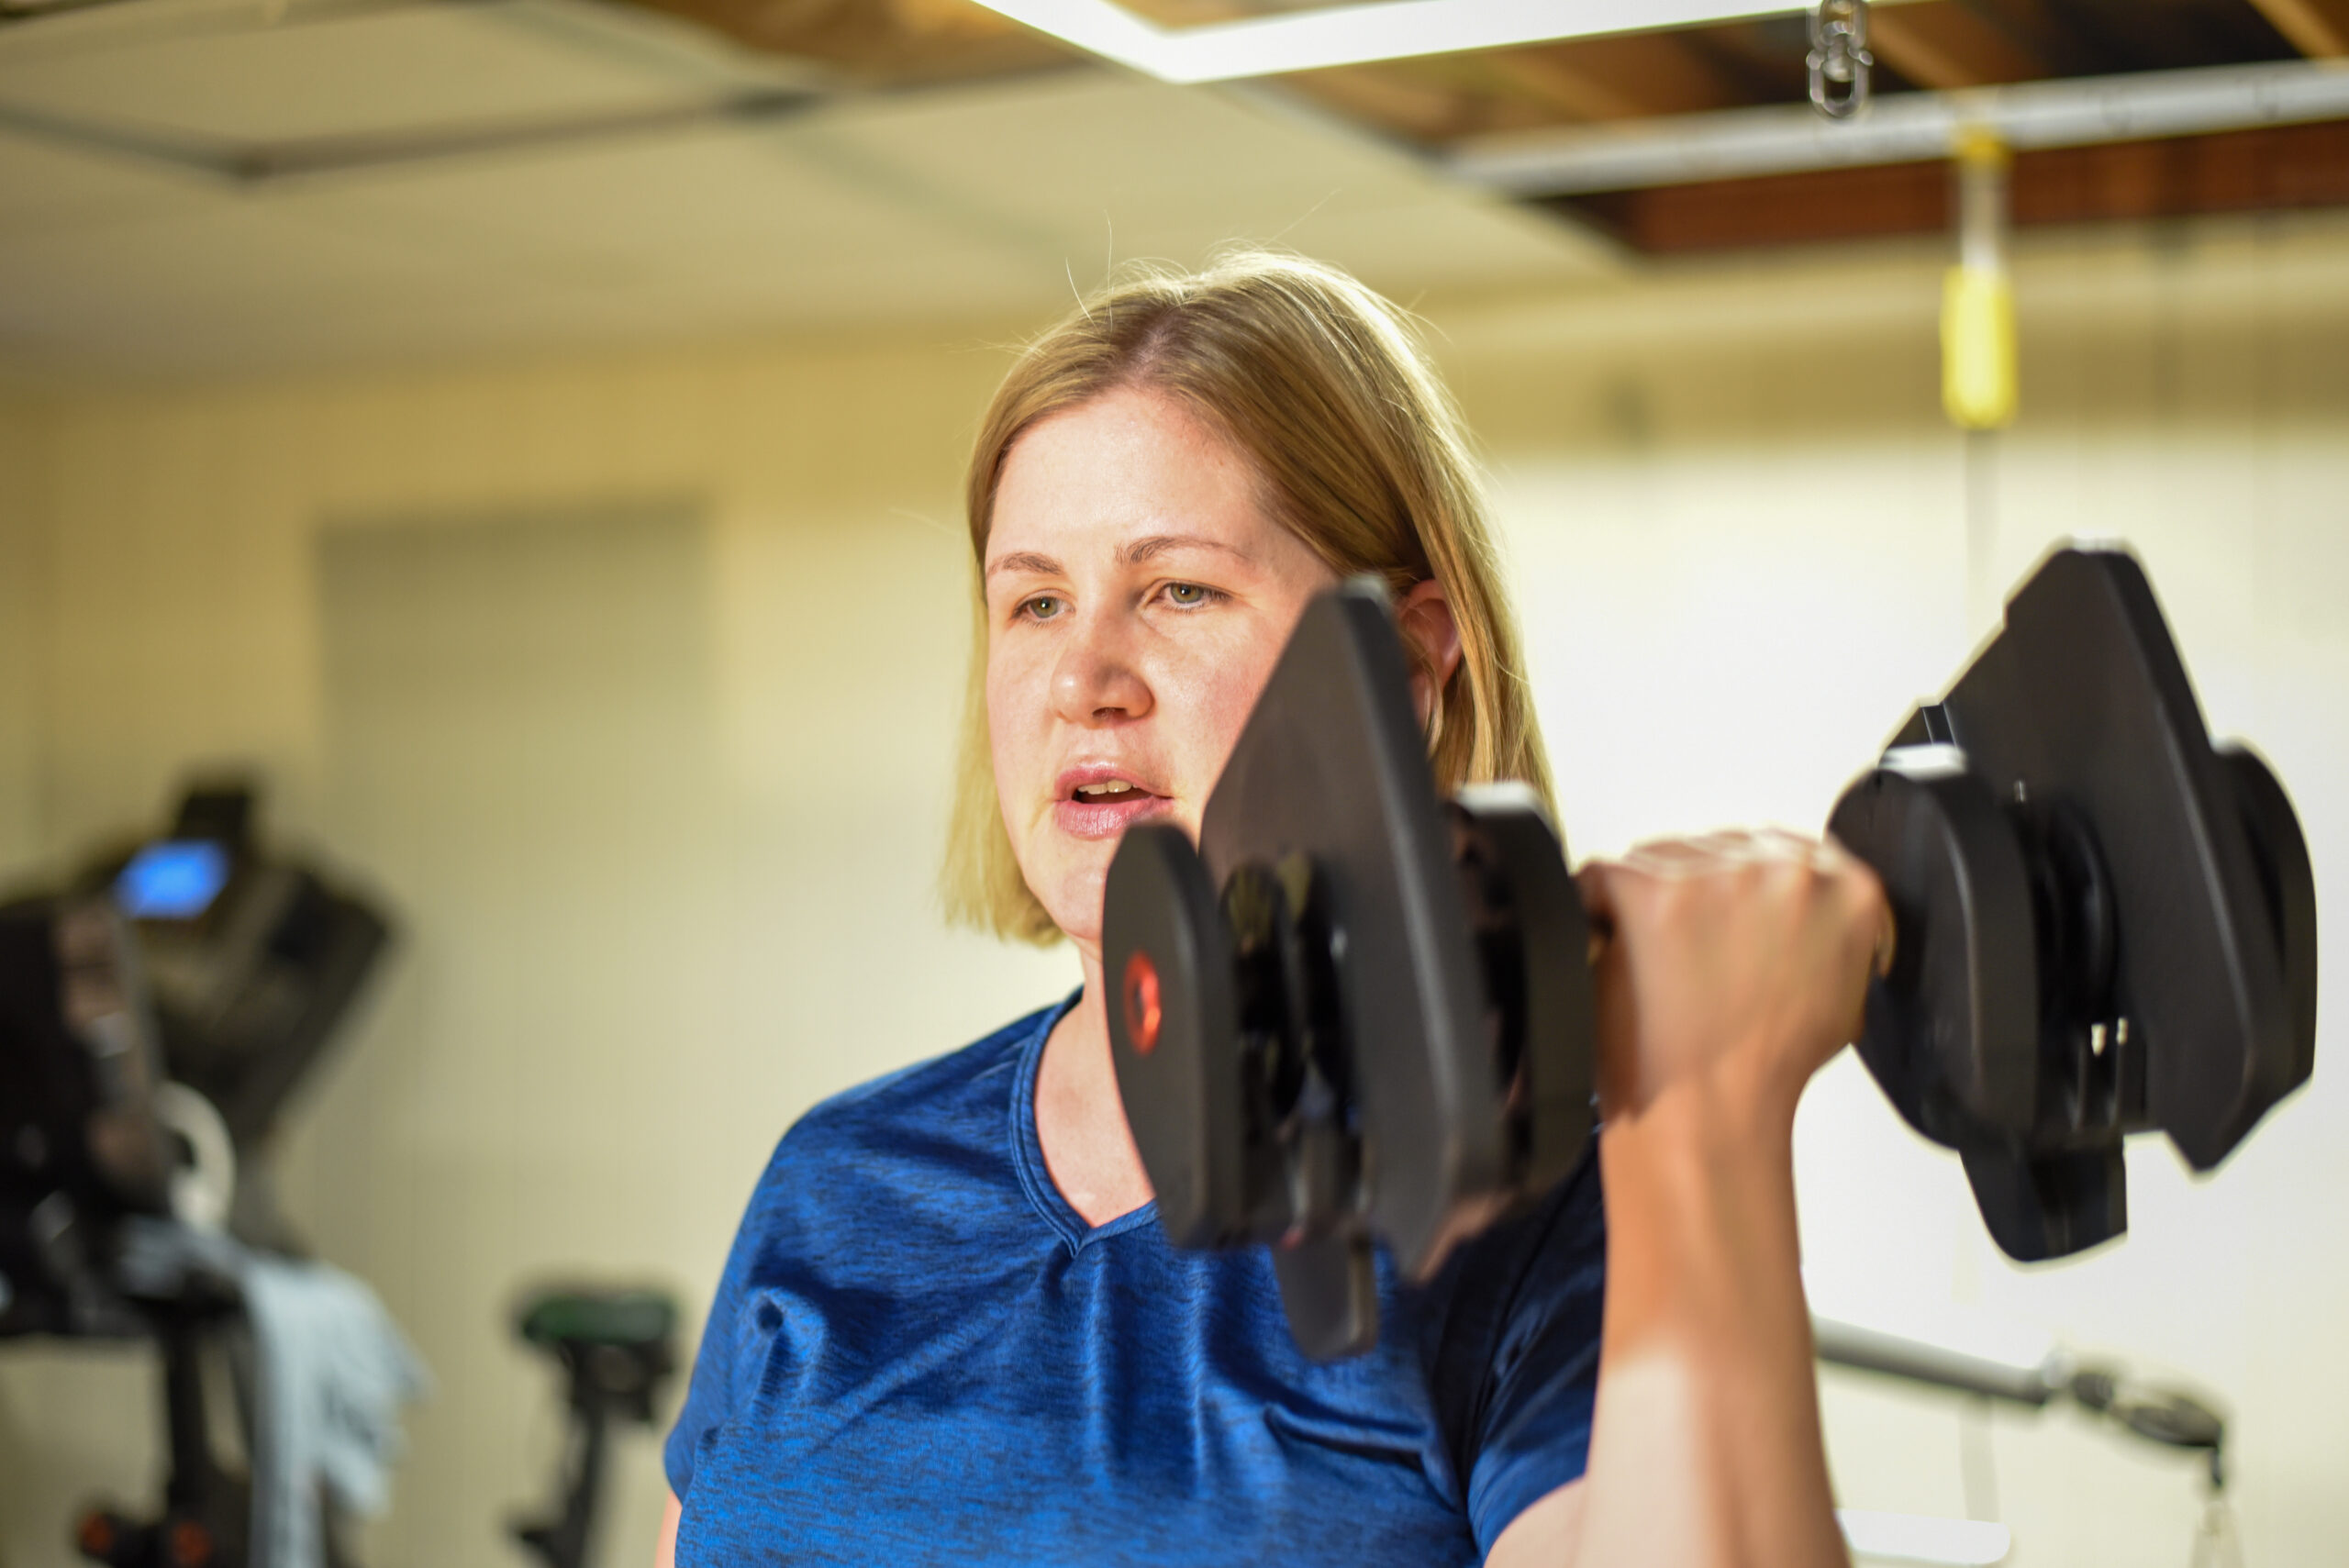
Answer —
1849 887
1710 853
1597 880
1598 906
1743 958
1876 911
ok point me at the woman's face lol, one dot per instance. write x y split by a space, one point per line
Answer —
1137 595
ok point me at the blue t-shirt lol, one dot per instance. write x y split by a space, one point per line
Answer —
921 1355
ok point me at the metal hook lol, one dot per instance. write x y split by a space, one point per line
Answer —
1839 57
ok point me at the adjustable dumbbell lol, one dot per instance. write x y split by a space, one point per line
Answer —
1340 1016
2107 923
1354 1013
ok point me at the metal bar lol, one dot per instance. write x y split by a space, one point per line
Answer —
1939 1366
186 153
259 164
1908 128
344 154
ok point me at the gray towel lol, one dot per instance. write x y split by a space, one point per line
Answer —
332 1371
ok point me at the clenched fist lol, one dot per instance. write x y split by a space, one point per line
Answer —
1735 965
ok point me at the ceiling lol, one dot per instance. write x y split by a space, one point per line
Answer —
205 187
1917 44
1454 106
200 187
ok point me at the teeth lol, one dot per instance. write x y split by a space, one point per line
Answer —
1110 786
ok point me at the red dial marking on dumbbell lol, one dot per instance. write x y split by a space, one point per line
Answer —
1144 1015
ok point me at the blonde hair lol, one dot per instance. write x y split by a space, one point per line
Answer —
1359 451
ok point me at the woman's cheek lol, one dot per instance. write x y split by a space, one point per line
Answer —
1018 715
1218 696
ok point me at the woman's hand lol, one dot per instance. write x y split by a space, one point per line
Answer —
1734 964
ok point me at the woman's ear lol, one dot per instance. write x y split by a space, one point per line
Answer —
1425 617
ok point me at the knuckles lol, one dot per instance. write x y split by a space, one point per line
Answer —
1752 880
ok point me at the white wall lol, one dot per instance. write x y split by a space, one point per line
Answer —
21 538
1739 527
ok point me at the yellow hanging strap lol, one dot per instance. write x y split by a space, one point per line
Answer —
1977 295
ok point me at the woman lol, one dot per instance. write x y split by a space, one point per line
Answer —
950 1330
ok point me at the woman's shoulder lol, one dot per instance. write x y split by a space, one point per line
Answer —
937 1132
928 1095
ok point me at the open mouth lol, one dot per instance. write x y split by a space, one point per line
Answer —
1097 804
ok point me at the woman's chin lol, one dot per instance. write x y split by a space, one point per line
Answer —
1074 901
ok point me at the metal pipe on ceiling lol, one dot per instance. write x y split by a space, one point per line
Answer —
1908 128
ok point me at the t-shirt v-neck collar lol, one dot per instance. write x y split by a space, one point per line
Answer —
1028 1147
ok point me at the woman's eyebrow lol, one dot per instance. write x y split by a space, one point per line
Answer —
1024 560
1153 545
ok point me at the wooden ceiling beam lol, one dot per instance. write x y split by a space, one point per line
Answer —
2318 29
1394 101
879 41
1440 98
2275 168
1948 45
1559 84
1634 74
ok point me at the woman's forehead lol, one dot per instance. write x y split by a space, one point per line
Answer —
1125 478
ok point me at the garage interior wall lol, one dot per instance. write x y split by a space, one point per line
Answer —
1740 529
20 583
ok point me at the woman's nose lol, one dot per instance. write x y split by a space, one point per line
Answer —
1096 680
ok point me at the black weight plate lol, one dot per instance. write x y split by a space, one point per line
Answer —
2291 886
2082 701
1558 1023
1329 1295
1174 1033
1332 765
1952 1034
2048 1205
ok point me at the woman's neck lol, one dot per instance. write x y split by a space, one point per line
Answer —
1080 1120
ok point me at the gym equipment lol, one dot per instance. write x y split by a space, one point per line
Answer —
208 1505
2010 1364
2106 925
253 961
618 1349
194 957
169 999
80 1066
1345 1014
1354 1013
2167 1416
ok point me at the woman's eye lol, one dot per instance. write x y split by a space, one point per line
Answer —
1190 595
1044 606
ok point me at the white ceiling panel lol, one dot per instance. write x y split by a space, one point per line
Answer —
1103 135
52 184
394 69
674 197
121 283
941 208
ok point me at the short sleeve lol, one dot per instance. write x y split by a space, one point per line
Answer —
1512 1352
709 1397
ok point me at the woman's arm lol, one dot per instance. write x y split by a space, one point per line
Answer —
665 1554
1738 966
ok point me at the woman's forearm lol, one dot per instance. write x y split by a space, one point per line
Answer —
1706 1445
